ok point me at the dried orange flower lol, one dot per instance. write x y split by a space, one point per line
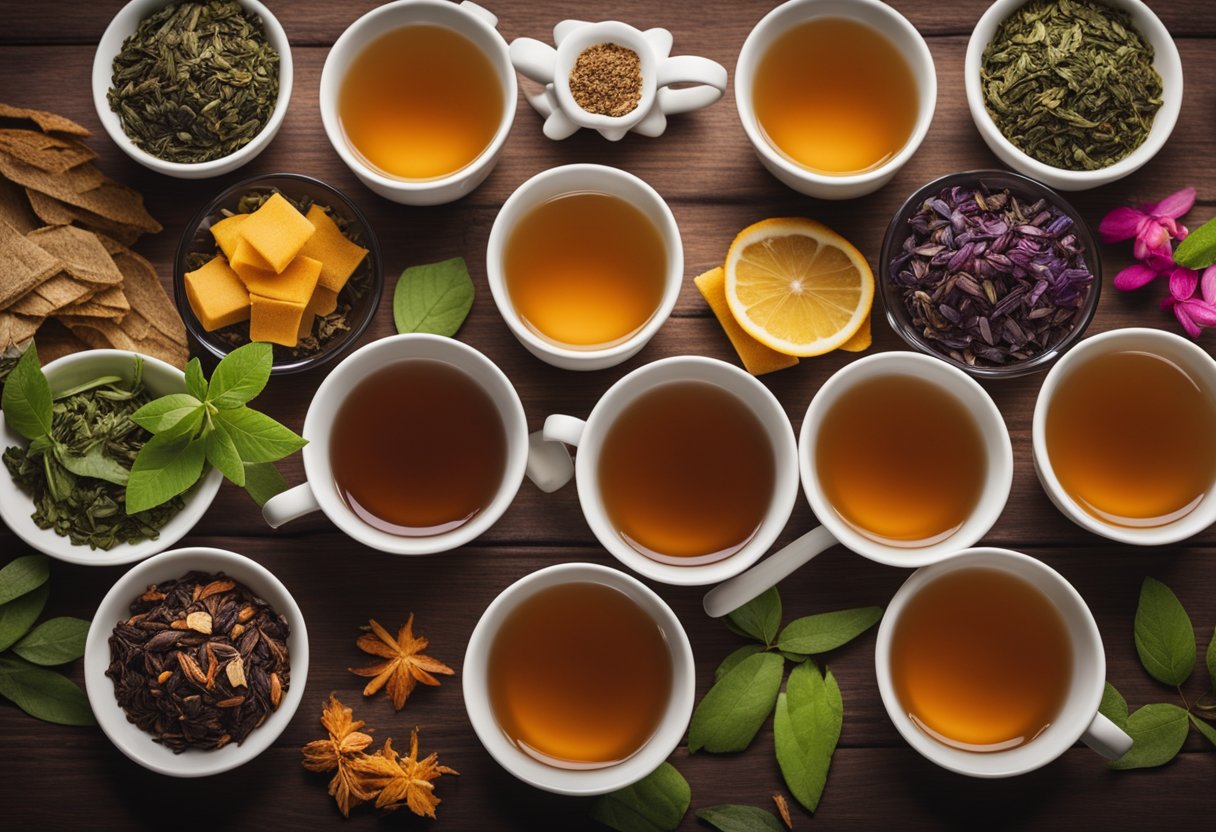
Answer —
403 781
340 751
404 665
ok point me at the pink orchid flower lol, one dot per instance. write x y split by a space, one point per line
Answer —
1158 262
1192 312
1153 226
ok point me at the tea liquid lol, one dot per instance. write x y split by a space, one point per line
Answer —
1130 437
901 460
418 448
981 660
835 96
420 102
579 676
585 269
686 473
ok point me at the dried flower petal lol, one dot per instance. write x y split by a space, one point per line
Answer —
405 663
403 780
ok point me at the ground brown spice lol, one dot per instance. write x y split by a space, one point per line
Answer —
607 80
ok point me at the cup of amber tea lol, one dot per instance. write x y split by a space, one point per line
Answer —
990 664
904 459
686 469
544 687
416 444
1123 440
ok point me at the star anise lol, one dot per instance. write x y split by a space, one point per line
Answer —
405 665
403 781
340 751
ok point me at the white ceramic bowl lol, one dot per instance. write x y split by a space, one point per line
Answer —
1165 59
115 607
16 507
121 27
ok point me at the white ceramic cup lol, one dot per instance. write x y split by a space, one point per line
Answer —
467 19
573 179
319 492
882 19
1079 718
591 781
998 464
1184 353
589 436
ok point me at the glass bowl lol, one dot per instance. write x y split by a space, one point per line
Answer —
1022 187
360 296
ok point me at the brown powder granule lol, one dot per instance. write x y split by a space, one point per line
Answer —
607 80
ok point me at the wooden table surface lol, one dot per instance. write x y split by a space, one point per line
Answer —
56 776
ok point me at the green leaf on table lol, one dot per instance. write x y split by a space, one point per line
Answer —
656 803
54 641
1198 250
734 817
806 729
1204 728
164 468
733 710
263 481
173 414
27 398
43 693
826 631
1210 658
1157 732
19 614
1113 706
257 437
736 656
759 618
22 575
196 383
95 463
223 454
433 298
1165 638
241 375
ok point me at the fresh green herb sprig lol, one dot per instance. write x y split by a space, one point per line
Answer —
434 298
27 650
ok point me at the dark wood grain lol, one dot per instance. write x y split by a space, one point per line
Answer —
60 777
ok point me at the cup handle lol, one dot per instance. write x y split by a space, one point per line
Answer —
1107 738
290 505
737 591
549 463
565 429
710 76
533 59
480 11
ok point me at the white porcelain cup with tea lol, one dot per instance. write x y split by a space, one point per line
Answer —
491 95
928 477
990 664
585 264
1148 489
686 469
568 724
492 418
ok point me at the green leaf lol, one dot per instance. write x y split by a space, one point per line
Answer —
433 298
736 656
174 412
196 384
43 693
95 463
27 397
1198 250
164 468
22 575
796 658
54 641
241 375
223 454
1113 706
1204 728
1165 638
805 731
729 716
656 803
826 631
759 618
1157 732
263 481
18 615
1210 658
733 817
257 437
91 384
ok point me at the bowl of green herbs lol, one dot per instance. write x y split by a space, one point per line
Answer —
68 445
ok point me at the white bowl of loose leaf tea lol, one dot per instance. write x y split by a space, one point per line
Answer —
1075 93
192 89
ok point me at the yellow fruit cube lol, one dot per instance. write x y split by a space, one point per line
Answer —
338 255
757 358
274 320
323 300
217 295
296 283
277 231
227 232
244 258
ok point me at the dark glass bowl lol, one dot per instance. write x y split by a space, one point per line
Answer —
362 292
898 231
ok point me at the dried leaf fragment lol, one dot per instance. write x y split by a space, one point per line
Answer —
783 809
405 665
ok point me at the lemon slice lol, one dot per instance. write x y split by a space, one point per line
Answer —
796 286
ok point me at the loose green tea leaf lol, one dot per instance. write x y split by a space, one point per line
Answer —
1157 732
19 614
733 817
196 384
241 375
222 453
1113 706
43 693
733 710
100 381
826 631
1165 638
173 414
433 298
1204 728
257 437
759 618
1211 657
54 641
656 803
736 656
806 729
163 469
22 575
1198 250
26 400
95 463
263 481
